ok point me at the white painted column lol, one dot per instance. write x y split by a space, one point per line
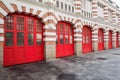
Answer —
106 37
119 19
114 39
95 40
113 17
106 14
78 41
94 8
50 1
77 5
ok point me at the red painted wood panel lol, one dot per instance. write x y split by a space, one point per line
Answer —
23 39
65 40
86 40
117 39
110 39
100 39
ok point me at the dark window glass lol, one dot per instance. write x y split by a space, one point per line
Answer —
72 9
20 38
30 39
39 42
58 4
71 30
66 39
38 39
9 42
71 40
30 25
61 39
61 29
40 0
30 36
69 8
66 7
9 38
38 26
61 5
66 29
9 35
20 23
30 42
9 23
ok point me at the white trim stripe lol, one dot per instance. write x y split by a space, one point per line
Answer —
8 5
3 12
1 21
50 33
49 39
1 30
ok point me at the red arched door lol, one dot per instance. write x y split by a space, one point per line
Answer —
100 39
65 40
23 40
87 40
117 40
110 39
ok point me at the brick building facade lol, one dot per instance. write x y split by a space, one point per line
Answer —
35 30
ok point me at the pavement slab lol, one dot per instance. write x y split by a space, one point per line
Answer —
100 65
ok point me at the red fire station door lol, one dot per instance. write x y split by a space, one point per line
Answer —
87 40
23 40
65 42
117 40
100 39
110 40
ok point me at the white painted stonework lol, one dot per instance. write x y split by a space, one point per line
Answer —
69 16
1 21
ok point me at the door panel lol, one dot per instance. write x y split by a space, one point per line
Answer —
23 40
65 44
117 40
60 51
87 40
100 39
19 55
8 56
110 39
39 53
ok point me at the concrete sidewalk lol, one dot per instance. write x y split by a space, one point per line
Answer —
103 65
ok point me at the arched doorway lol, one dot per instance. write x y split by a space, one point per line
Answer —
100 39
65 39
23 39
110 39
86 39
117 39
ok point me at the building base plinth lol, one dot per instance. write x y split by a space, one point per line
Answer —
78 48
95 46
50 50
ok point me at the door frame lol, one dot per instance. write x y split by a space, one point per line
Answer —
64 45
102 30
25 31
88 28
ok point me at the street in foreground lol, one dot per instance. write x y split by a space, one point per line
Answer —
103 65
